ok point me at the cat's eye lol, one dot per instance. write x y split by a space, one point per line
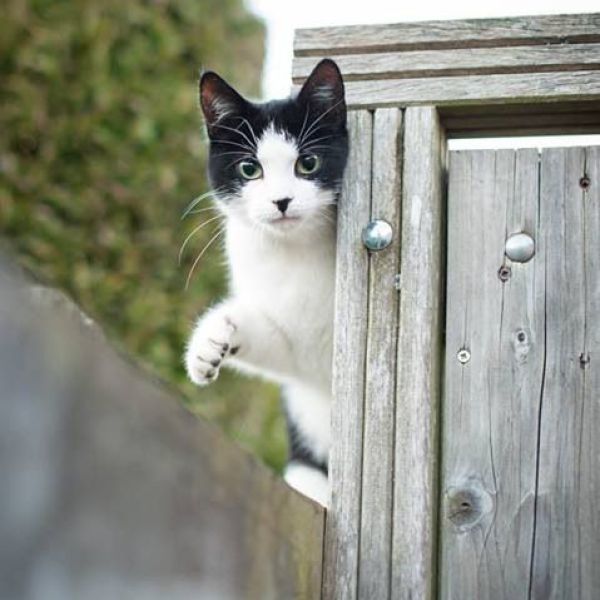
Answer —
308 164
249 169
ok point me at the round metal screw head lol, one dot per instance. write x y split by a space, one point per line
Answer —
463 356
520 247
377 235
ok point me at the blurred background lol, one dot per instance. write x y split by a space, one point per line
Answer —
102 149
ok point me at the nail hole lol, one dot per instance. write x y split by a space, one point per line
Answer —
504 273
584 182
521 336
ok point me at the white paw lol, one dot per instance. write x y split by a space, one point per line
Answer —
211 343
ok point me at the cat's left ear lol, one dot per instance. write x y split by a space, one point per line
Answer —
218 100
324 90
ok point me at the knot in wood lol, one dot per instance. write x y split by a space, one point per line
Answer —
465 506
521 344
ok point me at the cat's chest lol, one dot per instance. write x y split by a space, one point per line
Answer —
293 285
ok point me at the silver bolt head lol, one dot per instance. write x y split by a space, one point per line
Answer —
463 356
377 235
520 247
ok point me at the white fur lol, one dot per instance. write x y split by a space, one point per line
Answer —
280 309
307 481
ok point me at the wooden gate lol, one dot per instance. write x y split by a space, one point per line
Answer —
466 383
521 404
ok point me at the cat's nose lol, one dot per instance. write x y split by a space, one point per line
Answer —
282 204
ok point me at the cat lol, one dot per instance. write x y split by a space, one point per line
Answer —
276 169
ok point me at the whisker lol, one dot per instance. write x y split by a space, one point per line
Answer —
201 210
320 117
232 152
317 147
194 231
300 138
220 231
245 121
311 141
237 144
237 131
199 199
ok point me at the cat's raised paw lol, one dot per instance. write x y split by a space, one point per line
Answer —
211 343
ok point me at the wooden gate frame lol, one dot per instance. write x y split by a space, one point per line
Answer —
410 86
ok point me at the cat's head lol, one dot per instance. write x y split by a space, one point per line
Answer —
278 165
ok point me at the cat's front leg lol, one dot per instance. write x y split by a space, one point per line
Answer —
213 340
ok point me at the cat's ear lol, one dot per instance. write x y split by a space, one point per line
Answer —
324 90
218 99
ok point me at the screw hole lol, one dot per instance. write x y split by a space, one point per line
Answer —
504 273
521 336
584 182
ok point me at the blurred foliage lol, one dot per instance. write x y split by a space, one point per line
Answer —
101 151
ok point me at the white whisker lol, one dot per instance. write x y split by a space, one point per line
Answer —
219 232
194 231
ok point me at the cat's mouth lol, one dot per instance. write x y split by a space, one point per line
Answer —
284 221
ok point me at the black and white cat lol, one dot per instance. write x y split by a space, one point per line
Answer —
276 170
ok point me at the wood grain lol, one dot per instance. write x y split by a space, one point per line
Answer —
469 61
419 357
472 33
491 402
116 491
349 358
521 460
567 535
380 387
475 89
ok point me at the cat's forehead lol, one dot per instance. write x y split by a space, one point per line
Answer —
276 146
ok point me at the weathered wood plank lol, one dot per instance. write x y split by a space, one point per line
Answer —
111 489
380 387
567 532
469 61
349 356
472 33
475 89
492 389
419 357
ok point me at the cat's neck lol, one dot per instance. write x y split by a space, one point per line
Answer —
305 239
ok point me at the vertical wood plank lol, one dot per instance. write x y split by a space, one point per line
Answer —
378 443
349 355
589 465
567 532
492 389
419 360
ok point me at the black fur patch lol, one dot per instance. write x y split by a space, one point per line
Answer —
297 449
316 117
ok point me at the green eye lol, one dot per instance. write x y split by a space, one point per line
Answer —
308 164
249 169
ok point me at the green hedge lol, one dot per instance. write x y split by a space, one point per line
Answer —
101 150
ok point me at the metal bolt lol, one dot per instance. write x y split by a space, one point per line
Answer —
377 235
520 247
584 182
504 273
464 356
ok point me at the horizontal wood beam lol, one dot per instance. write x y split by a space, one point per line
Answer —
475 89
472 33
445 63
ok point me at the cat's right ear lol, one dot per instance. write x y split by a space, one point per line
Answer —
218 99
